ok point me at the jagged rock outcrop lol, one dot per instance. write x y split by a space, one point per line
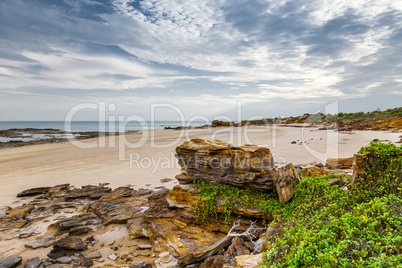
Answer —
248 166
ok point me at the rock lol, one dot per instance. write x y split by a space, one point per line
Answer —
65 259
217 162
42 242
137 227
28 232
144 246
58 191
15 217
313 171
87 220
293 142
118 211
34 191
219 261
285 180
91 191
249 245
34 263
79 230
85 262
237 247
141 264
336 181
113 257
74 243
359 163
94 255
180 237
248 261
202 253
339 162
165 260
165 180
10 262
47 209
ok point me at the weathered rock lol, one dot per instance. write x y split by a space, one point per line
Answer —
10 262
47 209
88 221
74 243
28 232
285 180
165 180
113 257
313 171
34 191
248 261
79 230
339 162
217 162
219 261
15 217
58 191
91 191
202 253
141 264
118 211
138 227
34 263
359 163
94 255
41 242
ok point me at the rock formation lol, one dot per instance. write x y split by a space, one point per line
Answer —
248 166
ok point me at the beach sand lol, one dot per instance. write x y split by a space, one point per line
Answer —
142 159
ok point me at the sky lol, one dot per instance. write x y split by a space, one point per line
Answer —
212 58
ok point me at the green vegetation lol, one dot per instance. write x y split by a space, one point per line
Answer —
329 226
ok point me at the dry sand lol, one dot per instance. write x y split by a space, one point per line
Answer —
143 166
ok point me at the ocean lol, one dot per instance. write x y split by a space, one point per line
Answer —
87 126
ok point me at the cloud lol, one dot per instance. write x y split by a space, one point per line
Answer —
205 52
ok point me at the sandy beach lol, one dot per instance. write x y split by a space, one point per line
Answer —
142 159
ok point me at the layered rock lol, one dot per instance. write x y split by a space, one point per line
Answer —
248 166
339 162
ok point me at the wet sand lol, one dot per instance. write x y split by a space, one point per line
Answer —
142 159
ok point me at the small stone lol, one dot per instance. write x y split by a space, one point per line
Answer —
165 180
293 142
94 255
113 257
34 263
74 243
114 248
141 264
44 242
144 246
65 260
11 262
100 260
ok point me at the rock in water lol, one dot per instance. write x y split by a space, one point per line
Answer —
248 166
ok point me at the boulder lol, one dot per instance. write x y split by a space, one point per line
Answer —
248 166
34 191
339 162
10 262
137 227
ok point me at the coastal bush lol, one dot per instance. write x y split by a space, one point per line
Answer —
356 226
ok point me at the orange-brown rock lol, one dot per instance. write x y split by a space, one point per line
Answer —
248 166
339 162
313 171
